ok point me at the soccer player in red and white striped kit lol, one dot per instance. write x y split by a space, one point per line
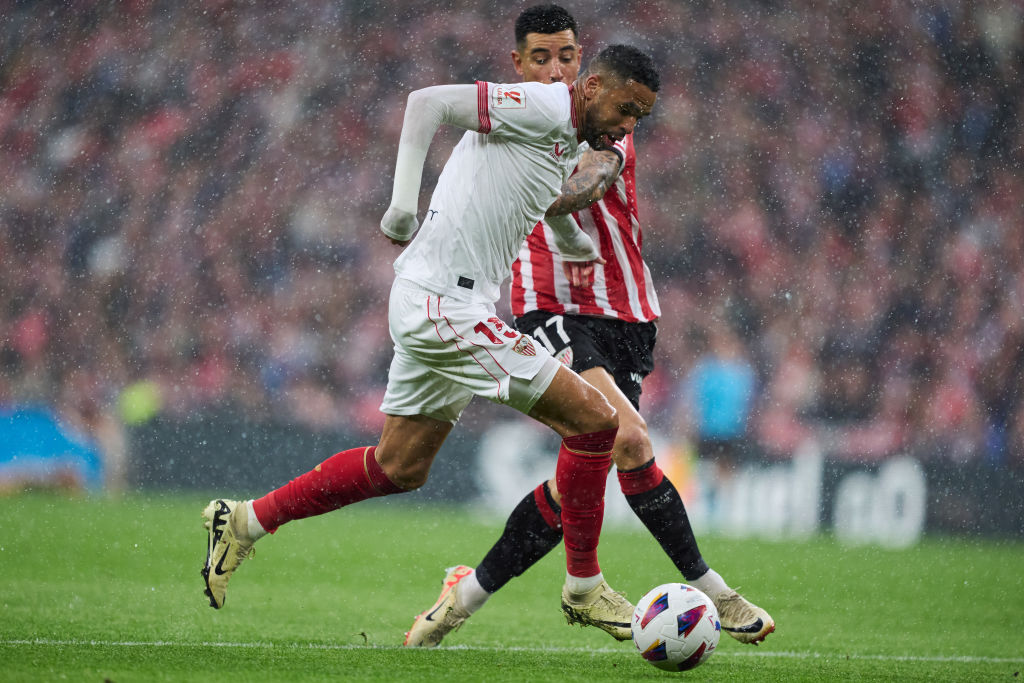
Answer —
601 323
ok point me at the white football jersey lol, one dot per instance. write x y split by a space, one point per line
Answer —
498 182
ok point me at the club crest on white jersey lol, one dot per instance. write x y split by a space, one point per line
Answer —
524 347
508 98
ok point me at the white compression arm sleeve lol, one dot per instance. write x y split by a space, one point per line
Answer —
572 242
425 111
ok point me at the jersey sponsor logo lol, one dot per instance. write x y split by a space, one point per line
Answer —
508 98
524 347
636 377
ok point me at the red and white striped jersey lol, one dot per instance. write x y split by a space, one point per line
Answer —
622 287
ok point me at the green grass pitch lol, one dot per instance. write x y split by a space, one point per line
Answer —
96 589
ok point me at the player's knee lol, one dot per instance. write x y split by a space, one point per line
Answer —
409 476
600 416
632 444
605 417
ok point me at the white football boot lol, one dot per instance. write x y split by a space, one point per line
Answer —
741 619
227 524
431 626
602 607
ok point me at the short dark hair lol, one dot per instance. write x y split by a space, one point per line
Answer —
544 19
627 63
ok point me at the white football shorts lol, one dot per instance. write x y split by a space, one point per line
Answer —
447 350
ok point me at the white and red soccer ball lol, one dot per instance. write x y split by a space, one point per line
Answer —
675 627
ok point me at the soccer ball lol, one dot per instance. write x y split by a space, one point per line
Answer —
675 627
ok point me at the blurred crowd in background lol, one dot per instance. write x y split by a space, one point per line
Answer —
832 198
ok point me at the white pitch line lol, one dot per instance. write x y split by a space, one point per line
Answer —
783 654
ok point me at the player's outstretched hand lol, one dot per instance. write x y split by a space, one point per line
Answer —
581 273
399 226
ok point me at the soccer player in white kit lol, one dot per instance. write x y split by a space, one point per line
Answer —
507 169
603 327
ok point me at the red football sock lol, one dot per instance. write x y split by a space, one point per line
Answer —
580 474
345 478
550 515
642 479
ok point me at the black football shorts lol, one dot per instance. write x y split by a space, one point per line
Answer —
625 350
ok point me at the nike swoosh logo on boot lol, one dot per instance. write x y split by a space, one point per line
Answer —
430 616
752 628
219 569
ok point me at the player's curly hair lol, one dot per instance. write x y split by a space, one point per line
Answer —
544 19
627 63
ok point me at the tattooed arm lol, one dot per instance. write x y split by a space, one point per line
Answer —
594 174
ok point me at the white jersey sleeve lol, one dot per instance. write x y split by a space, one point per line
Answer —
521 110
425 111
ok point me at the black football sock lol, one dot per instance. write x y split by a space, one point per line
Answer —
533 530
663 513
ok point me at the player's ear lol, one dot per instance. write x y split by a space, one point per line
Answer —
592 84
517 62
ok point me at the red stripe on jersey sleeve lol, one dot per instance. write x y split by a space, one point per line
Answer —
481 107
572 109
517 293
